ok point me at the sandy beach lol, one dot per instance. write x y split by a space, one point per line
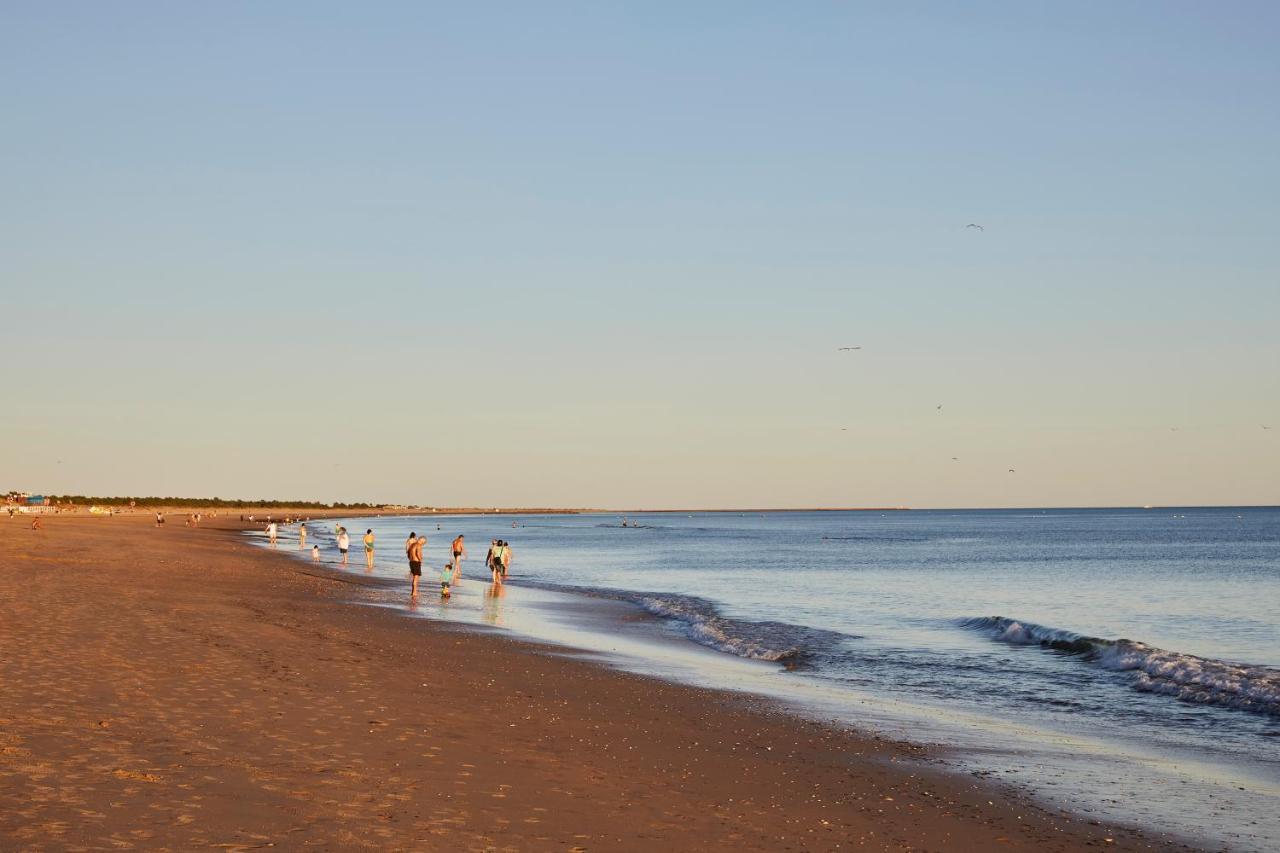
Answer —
176 688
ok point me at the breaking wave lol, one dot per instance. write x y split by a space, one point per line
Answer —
1197 680
794 646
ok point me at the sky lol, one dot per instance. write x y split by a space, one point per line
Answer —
602 254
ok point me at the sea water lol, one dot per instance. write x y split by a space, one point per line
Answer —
1125 663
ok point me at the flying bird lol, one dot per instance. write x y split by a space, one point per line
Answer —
939 408
955 458
975 225
847 349
1264 426
1011 471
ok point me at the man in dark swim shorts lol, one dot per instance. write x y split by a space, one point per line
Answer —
415 563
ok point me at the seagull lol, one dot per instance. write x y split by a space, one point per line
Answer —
1264 426
975 225
939 408
955 458
847 349
1011 471
1173 429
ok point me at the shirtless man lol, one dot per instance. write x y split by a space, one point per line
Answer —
415 562
459 554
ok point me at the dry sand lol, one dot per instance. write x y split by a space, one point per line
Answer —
177 689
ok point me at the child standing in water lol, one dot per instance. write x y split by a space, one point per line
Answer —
446 577
315 553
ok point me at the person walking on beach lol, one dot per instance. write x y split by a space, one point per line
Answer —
302 536
344 543
272 530
368 548
459 554
494 561
415 564
505 557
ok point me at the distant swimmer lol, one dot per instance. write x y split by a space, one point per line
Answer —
847 349
975 225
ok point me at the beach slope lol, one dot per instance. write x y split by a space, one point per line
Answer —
176 688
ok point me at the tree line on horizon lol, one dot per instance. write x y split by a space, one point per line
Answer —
210 503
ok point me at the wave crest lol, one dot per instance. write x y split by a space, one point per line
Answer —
1189 678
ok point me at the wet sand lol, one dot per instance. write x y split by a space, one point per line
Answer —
177 688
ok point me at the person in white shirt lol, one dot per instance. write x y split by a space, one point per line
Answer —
344 542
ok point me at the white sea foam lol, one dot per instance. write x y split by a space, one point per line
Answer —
1190 678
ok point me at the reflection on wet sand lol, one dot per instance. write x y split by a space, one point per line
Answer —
491 612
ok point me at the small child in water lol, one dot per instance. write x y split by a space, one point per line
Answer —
315 553
446 577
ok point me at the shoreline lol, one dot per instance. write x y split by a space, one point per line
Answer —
225 675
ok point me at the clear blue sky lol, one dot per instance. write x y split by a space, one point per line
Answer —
603 254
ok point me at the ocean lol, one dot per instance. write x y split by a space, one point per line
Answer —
1124 663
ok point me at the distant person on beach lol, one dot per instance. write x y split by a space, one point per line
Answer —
315 553
37 524
408 543
344 543
459 554
493 551
368 547
415 563
446 577
159 518
302 536
505 557
272 530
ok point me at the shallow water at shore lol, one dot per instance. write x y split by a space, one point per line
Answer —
1120 662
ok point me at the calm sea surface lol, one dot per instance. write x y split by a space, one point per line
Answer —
1126 662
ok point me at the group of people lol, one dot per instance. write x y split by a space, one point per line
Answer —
450 572
498 560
